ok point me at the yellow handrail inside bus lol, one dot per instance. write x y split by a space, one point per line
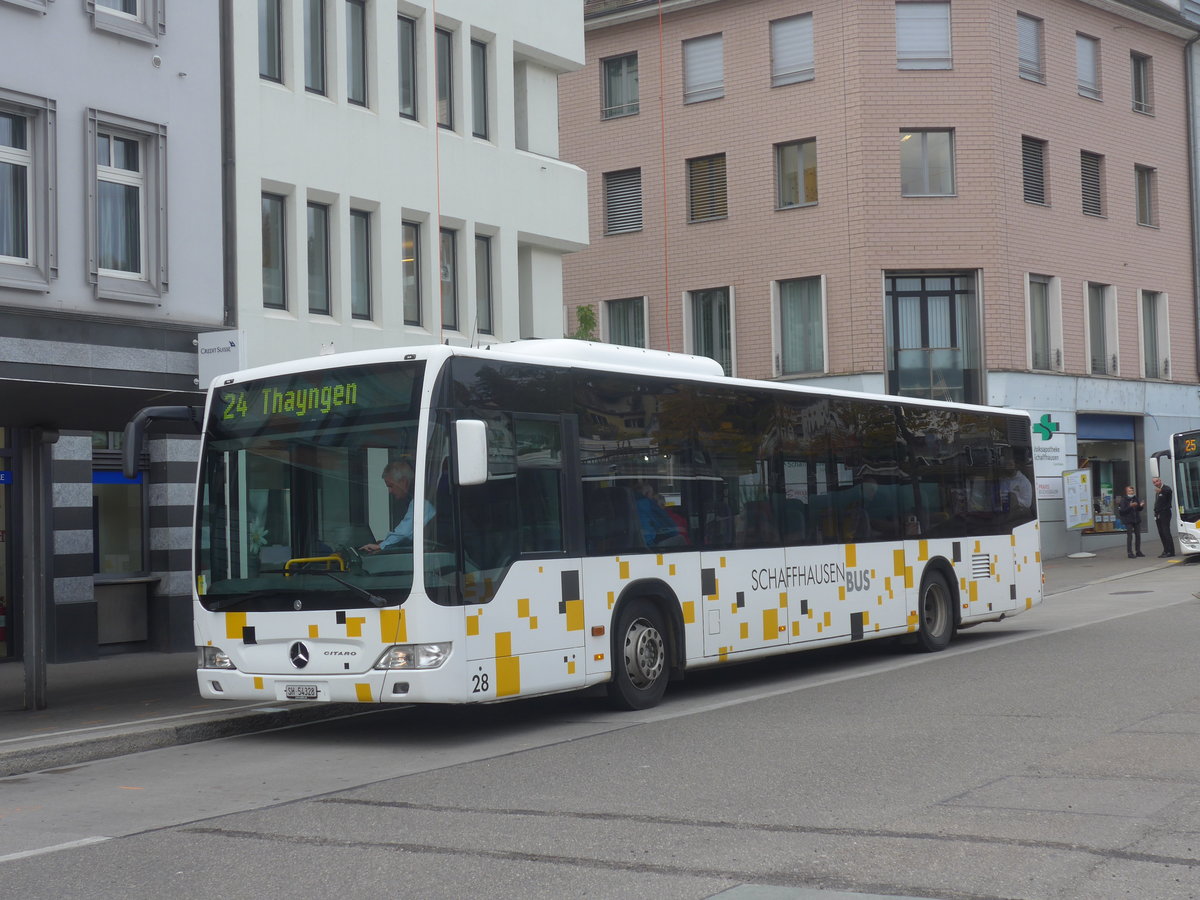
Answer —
330 562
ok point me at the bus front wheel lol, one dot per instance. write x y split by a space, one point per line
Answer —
935 613
640 657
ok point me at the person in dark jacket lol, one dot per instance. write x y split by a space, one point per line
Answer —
1129 511
1164 511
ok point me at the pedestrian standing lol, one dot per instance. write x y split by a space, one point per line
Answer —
1164 511
1129 511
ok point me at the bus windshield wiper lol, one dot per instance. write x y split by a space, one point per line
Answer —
235 599
362 592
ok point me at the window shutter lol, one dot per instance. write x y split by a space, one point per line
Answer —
703 69
706 188
1087 62
1029 48
923 35
1093 197
791 50
1033 167
623 201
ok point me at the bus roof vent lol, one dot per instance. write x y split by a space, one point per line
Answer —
573 352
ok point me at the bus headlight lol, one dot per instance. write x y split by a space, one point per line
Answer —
414 656
213 658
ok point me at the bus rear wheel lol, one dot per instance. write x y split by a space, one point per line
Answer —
640 657
935 613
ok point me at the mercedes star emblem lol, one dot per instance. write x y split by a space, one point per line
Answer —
299 655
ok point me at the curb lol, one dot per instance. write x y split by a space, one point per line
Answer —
52 752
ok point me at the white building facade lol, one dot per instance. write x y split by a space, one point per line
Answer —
110 266
398 178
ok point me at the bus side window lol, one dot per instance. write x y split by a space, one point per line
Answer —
611 520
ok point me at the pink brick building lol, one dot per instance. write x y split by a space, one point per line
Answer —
979 200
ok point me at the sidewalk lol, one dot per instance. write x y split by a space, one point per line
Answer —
138 701
124 704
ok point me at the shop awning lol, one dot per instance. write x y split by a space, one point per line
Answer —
84 407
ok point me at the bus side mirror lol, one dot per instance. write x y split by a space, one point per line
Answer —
1156 466
471 456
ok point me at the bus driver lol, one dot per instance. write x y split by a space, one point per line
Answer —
398 477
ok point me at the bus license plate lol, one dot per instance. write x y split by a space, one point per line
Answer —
301 692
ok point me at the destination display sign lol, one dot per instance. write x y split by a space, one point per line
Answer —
311 398
1186 445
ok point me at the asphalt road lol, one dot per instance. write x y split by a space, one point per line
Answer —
1056 755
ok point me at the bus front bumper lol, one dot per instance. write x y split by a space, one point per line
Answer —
375 686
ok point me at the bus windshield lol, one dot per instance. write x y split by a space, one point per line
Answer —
1187 475
301 482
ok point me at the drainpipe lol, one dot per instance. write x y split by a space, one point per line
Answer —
229 166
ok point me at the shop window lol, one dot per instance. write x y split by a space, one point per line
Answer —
1108 447
7 604
118 511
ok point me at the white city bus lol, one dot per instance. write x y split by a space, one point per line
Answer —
1182 473
585 514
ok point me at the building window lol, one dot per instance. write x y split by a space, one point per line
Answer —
1087 66
444 47
270 40
412 273
16 167
314 46
125 7
927 163
706 188
711 323
1146 181
318 259
625 321
360 264
1031 62
1033 169
274 252
483 285
621 97
792 50
1143 83
932 333
479 90
406 41
28 239
1102 330
796 174
120 205
127 216
1091 175
801 327
448 255
922 35
703 68
1045 323
356 52
623 201
141 20
1155 341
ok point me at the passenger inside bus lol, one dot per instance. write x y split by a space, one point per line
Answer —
658 528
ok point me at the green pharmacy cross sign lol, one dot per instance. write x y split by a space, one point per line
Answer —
1046 427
